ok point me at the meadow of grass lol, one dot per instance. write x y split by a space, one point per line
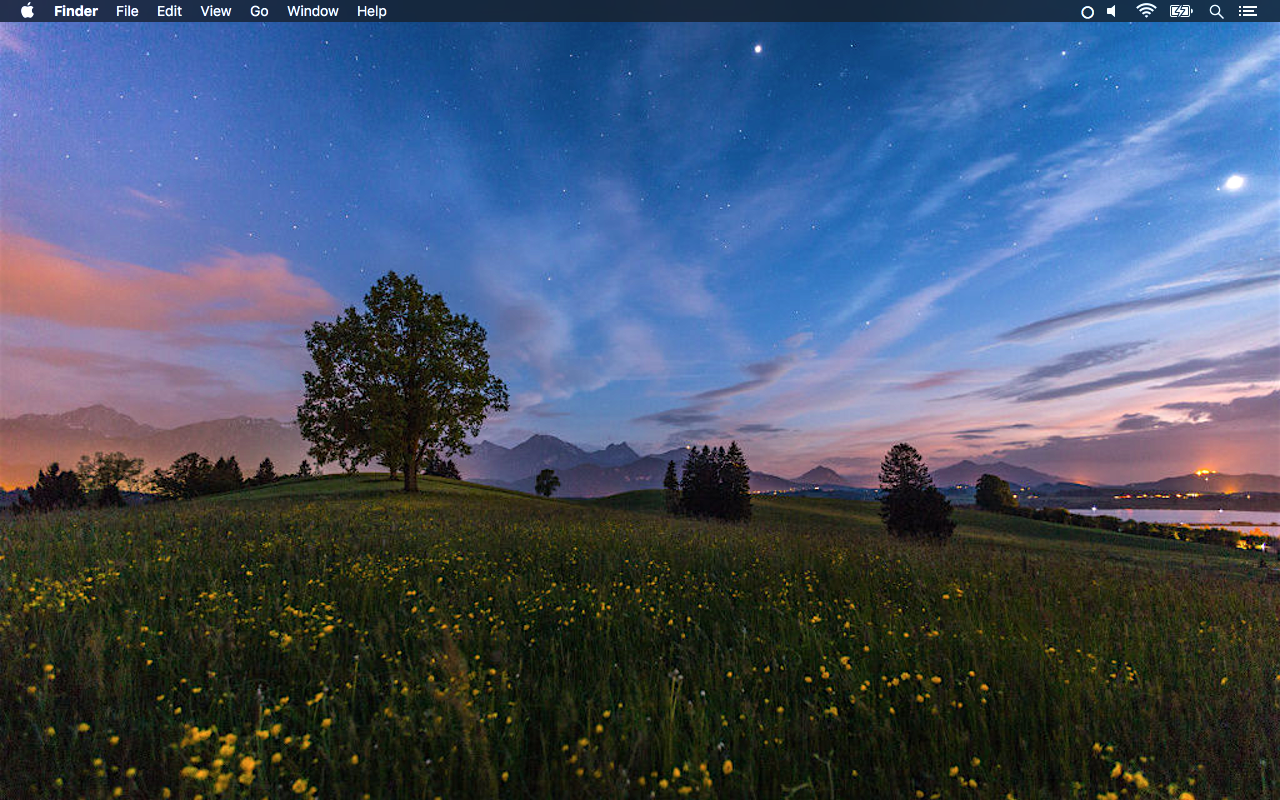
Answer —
332 638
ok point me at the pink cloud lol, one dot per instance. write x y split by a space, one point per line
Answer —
937 379
44 281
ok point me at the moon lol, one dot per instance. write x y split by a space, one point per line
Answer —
758 49
1234 183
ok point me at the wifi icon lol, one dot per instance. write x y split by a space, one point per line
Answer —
1146 8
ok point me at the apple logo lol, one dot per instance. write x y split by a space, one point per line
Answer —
28 12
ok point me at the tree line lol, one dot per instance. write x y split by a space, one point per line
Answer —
98 480
715 484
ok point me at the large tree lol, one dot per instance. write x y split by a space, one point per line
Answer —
406 376
909 503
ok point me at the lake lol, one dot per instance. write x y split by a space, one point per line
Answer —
1244 521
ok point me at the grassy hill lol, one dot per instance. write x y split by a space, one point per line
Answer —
334 638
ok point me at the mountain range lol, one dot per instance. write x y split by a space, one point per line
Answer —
30 442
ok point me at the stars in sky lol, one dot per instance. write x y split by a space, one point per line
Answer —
866 234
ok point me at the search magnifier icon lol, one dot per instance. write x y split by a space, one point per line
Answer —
1216 11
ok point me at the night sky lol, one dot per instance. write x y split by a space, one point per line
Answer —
1058 244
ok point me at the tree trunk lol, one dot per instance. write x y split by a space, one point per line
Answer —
410 467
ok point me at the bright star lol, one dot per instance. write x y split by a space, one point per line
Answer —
759 49
1234 183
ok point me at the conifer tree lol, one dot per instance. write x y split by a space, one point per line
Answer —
909 503
738 484
671 489
266 472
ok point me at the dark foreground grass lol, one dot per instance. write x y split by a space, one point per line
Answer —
337 640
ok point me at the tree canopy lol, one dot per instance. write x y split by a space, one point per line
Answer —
402 378
108 469
910 505
547 482
188 477
993 494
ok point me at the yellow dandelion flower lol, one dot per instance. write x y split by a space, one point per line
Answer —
83 727
1186 796
954 771
662 784
299 786
355 759
727 767
248 764
326 722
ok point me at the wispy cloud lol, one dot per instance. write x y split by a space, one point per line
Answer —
1266 215
1262 364
704 405
763 374
936 379
936 199
1111 311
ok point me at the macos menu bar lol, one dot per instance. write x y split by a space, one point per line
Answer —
657 10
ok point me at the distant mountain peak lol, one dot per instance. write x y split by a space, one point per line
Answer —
97 418
821 475
966 473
